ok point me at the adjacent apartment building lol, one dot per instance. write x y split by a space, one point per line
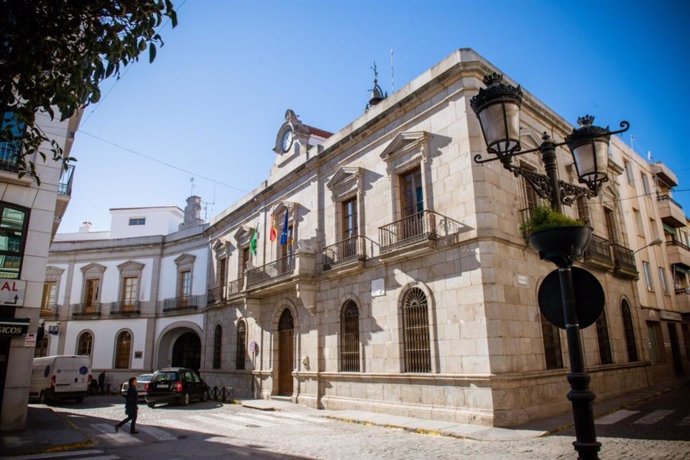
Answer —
381 268
29 217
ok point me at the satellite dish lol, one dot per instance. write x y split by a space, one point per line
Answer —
589 298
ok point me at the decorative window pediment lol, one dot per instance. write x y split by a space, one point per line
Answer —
406 150
243 235
185 259
93 269
220 249
130 267
346 181
53 274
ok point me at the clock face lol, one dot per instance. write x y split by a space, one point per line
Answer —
287 140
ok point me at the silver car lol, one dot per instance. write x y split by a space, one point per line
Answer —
142 380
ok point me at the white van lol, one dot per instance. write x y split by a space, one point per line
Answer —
55 378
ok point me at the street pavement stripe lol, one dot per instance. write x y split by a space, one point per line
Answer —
190 426
241 420
65 455
654 417
121 438
305 418
272 419
685 421
157 433
615 417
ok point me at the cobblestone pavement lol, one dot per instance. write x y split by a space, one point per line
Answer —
230 431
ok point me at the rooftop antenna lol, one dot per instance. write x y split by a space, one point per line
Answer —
206 203
392 73
191 181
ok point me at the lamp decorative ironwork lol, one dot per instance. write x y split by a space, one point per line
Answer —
498 109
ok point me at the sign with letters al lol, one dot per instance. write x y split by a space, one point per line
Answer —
12 292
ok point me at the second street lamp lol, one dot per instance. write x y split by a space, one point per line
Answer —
498 109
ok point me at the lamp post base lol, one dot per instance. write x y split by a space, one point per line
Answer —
581 398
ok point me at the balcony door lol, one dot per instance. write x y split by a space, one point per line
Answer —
91 295
286 359
411 204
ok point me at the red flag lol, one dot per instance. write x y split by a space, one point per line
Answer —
274 230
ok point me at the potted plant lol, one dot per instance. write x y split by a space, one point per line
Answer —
558 238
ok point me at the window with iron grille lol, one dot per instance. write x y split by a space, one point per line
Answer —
603 339
629 331
217 346
13 229
85 344
416 343
552 344
123 349
241 345
349 337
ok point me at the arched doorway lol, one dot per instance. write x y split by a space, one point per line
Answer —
186 351
286 358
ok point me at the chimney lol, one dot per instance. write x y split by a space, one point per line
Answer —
86 227
192 213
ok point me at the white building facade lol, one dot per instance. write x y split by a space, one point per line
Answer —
382 268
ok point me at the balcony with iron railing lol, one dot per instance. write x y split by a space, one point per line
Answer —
623 262
65 184
182 304
125 308
598 254
272 273
49 312
410 232
670 212
683 299
678 253
86 310
348 254
9 152
221 294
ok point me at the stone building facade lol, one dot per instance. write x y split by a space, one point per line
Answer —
382 268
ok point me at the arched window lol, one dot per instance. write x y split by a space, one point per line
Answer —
415 321
123 349
349 337
217 346
241 344
629 331
85 344
603 339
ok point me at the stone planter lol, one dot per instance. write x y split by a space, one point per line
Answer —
561 245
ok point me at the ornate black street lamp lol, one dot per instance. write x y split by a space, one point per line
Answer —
498 109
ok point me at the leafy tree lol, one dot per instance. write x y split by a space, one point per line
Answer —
55 53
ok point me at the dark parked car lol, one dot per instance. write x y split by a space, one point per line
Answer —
142 380
175 384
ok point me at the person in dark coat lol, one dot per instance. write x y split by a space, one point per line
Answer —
131 407
101 382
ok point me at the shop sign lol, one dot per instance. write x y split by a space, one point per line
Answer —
14 326
12 292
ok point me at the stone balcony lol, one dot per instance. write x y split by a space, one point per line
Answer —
86 311
125 308
683 299
348 255
678 253
598 254
297 269
671 212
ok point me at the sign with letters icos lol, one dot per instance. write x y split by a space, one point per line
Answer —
12 292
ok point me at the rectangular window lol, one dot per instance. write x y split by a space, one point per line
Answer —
645 184
49 296
638 223
552 344
13 223
647 276
656 341
349 228
11 132
411 193
582 209
137 221
129 293
662 280
653 230
91 295
603 339
629 172
184 288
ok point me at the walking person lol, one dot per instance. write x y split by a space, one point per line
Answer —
131 407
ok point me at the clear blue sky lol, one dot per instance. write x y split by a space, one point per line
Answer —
214 98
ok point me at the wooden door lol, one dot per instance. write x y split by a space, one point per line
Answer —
286 359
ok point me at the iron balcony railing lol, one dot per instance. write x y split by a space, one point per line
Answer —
623 259
666 197
65 184
221 293
675 242
598 251
49 312
284 266
183 302
409 230
124 307
682 290
353 249
82 309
